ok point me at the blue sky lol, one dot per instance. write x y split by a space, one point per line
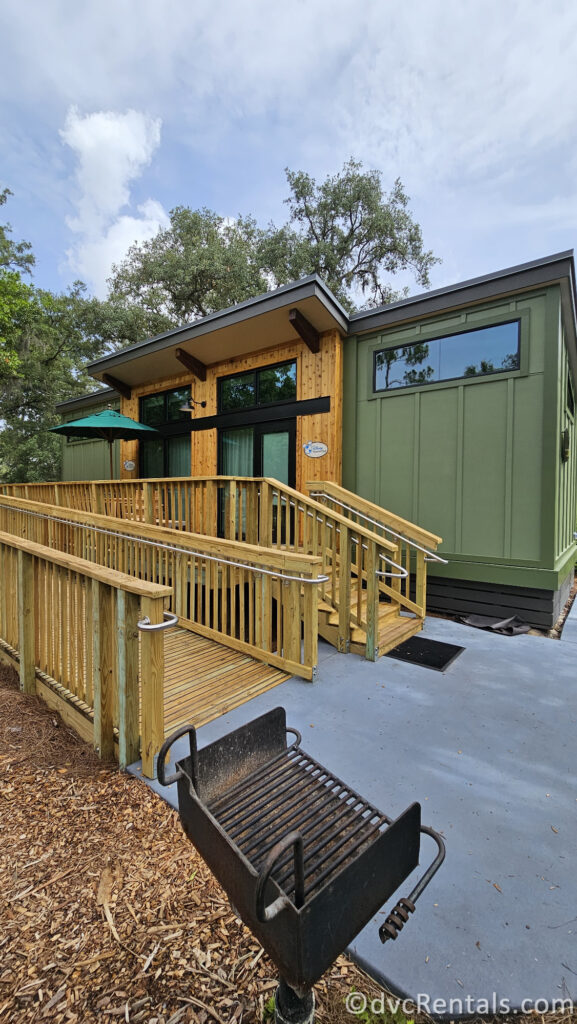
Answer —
115 112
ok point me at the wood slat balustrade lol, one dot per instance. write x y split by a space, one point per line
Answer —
71 625
252 599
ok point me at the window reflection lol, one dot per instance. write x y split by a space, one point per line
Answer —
473 353
259 387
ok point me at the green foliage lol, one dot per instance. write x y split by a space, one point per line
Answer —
351 233
269 1010
345 229
17 311
13 255
200 264
51 344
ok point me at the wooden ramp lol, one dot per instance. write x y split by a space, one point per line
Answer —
203 679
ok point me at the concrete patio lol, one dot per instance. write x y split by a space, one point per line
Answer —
488 748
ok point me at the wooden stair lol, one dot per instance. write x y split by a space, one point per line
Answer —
393 627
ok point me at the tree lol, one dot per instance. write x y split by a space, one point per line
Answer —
200 264
350 233
45 340
15 296
345 229
13 255
52 345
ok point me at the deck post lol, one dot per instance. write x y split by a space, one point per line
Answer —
372 641
344 593
291 620
127 634
103 658
26 622
152 685
265 512
421 584
311 625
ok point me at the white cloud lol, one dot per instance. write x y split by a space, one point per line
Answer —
112 150
471 103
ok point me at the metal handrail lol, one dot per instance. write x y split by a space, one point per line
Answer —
432 556
393 575
155 627
172 547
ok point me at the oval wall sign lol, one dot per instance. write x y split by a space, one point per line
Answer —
315 449
129 465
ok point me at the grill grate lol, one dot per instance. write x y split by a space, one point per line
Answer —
295 792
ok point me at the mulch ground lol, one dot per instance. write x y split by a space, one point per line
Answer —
107 913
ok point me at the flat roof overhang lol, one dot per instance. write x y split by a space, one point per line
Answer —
85 401
556 269
252 326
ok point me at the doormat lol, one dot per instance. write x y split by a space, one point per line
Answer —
419 650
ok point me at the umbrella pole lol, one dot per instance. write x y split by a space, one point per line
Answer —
110 446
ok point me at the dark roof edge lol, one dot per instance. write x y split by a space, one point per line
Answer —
524 275
93 398
305 288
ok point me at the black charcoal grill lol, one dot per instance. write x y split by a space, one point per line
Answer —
305 860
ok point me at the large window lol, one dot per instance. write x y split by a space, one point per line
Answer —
475 353
168 452
165 407
265 386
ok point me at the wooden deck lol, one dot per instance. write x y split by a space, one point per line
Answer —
204 680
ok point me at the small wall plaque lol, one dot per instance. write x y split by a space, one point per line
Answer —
129 465
315 449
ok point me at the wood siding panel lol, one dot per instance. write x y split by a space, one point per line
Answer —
395 460
439 470
317 375
527 469
484 469
567 478
465 459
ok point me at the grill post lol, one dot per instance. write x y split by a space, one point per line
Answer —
290 1008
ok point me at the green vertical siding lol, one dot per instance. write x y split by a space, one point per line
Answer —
88 460
473 460
567 476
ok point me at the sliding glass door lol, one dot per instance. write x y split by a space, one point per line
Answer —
262 449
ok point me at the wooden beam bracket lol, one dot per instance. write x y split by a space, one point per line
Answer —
123 389
194 365
305 329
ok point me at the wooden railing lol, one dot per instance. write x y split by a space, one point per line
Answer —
415 545
249 598
361 565
71 626
368 554
181 503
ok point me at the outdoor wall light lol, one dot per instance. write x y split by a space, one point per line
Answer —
191 405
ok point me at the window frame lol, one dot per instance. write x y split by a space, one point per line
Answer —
166 429
256 372
164 423
429 333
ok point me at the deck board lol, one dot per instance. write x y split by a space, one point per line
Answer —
204 680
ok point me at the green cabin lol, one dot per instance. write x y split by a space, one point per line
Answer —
459 414
454 409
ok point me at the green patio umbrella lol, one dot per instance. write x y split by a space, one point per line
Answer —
109 425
